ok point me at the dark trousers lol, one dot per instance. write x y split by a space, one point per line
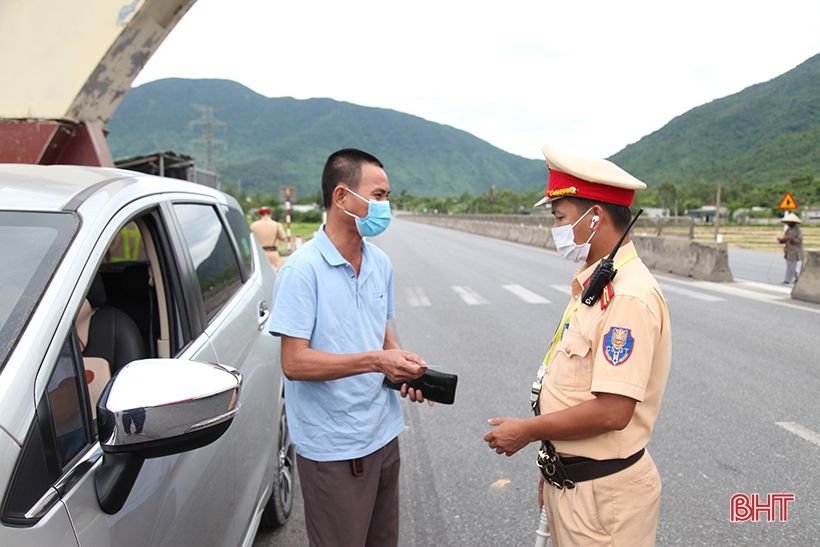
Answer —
343 509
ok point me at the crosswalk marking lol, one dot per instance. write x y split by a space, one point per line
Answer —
526 295
469 296
563 289
779 289
691 294
732 289
802 432
696 290
416 297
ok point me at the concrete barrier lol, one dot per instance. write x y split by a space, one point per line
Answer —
678 256
684 257
528 231
808 284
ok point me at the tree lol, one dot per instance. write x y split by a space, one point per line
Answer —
667 195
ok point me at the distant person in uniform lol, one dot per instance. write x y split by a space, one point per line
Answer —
792 246
599 389
332 303
270 234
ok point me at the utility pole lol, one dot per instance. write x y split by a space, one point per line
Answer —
287 192
717 213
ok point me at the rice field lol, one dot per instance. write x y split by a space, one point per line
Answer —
760 238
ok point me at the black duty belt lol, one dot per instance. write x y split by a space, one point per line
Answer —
567 472
270 248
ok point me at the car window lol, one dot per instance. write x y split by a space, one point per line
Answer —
242 234
212 254
32 245
65 404
127 246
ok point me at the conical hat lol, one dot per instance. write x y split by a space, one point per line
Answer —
791 217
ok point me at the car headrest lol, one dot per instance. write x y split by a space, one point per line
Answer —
135 280
96 295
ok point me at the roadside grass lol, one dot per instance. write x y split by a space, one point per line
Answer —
305 229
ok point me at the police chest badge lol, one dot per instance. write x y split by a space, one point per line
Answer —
618 345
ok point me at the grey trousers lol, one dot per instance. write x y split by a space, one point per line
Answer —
343 509
791 271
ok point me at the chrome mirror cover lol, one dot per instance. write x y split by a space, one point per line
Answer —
156 407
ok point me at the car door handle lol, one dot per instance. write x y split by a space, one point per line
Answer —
264 314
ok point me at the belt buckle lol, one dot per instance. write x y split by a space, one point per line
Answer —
548 469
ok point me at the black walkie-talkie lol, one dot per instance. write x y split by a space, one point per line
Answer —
605 272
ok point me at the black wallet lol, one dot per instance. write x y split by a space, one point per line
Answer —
436 386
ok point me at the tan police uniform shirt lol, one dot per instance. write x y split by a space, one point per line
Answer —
625 349
269 232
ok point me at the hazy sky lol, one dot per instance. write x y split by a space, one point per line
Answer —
589 77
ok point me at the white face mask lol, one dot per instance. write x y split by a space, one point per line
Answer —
564 238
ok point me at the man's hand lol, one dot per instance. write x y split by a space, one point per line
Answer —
415 395
401 366
508 437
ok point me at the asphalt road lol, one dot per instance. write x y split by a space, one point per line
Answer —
744 361
760 266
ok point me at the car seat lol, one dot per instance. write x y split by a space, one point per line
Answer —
112 334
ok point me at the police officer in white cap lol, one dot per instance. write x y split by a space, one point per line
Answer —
599 389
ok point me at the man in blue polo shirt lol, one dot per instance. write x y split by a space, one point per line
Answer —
332 300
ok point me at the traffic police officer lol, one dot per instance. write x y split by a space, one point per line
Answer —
600 386
270 234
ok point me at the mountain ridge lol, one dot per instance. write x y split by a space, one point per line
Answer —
279 141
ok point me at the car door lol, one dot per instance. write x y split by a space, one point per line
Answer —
33 513
176 500
236 287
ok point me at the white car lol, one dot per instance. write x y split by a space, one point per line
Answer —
141 397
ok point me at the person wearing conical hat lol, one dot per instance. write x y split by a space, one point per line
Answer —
599 389
792 241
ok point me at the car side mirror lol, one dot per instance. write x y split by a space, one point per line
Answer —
158 407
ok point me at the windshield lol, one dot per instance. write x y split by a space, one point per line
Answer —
31 246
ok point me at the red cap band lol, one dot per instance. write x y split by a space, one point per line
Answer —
564 185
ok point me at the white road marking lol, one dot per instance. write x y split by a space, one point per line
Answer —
802 432
417 298
563 289
733 290
526 295
470 297
691 294
785 291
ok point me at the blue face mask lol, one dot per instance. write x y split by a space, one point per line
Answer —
377 219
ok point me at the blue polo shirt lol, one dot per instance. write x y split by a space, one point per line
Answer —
319 297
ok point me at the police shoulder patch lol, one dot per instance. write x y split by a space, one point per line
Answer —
618 345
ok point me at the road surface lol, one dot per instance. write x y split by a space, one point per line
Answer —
741 412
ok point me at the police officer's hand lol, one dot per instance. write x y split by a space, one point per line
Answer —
508 437
401 366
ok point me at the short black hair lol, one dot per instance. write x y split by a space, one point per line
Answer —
620 214
344 166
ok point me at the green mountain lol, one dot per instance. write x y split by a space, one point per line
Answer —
263 143
768 132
